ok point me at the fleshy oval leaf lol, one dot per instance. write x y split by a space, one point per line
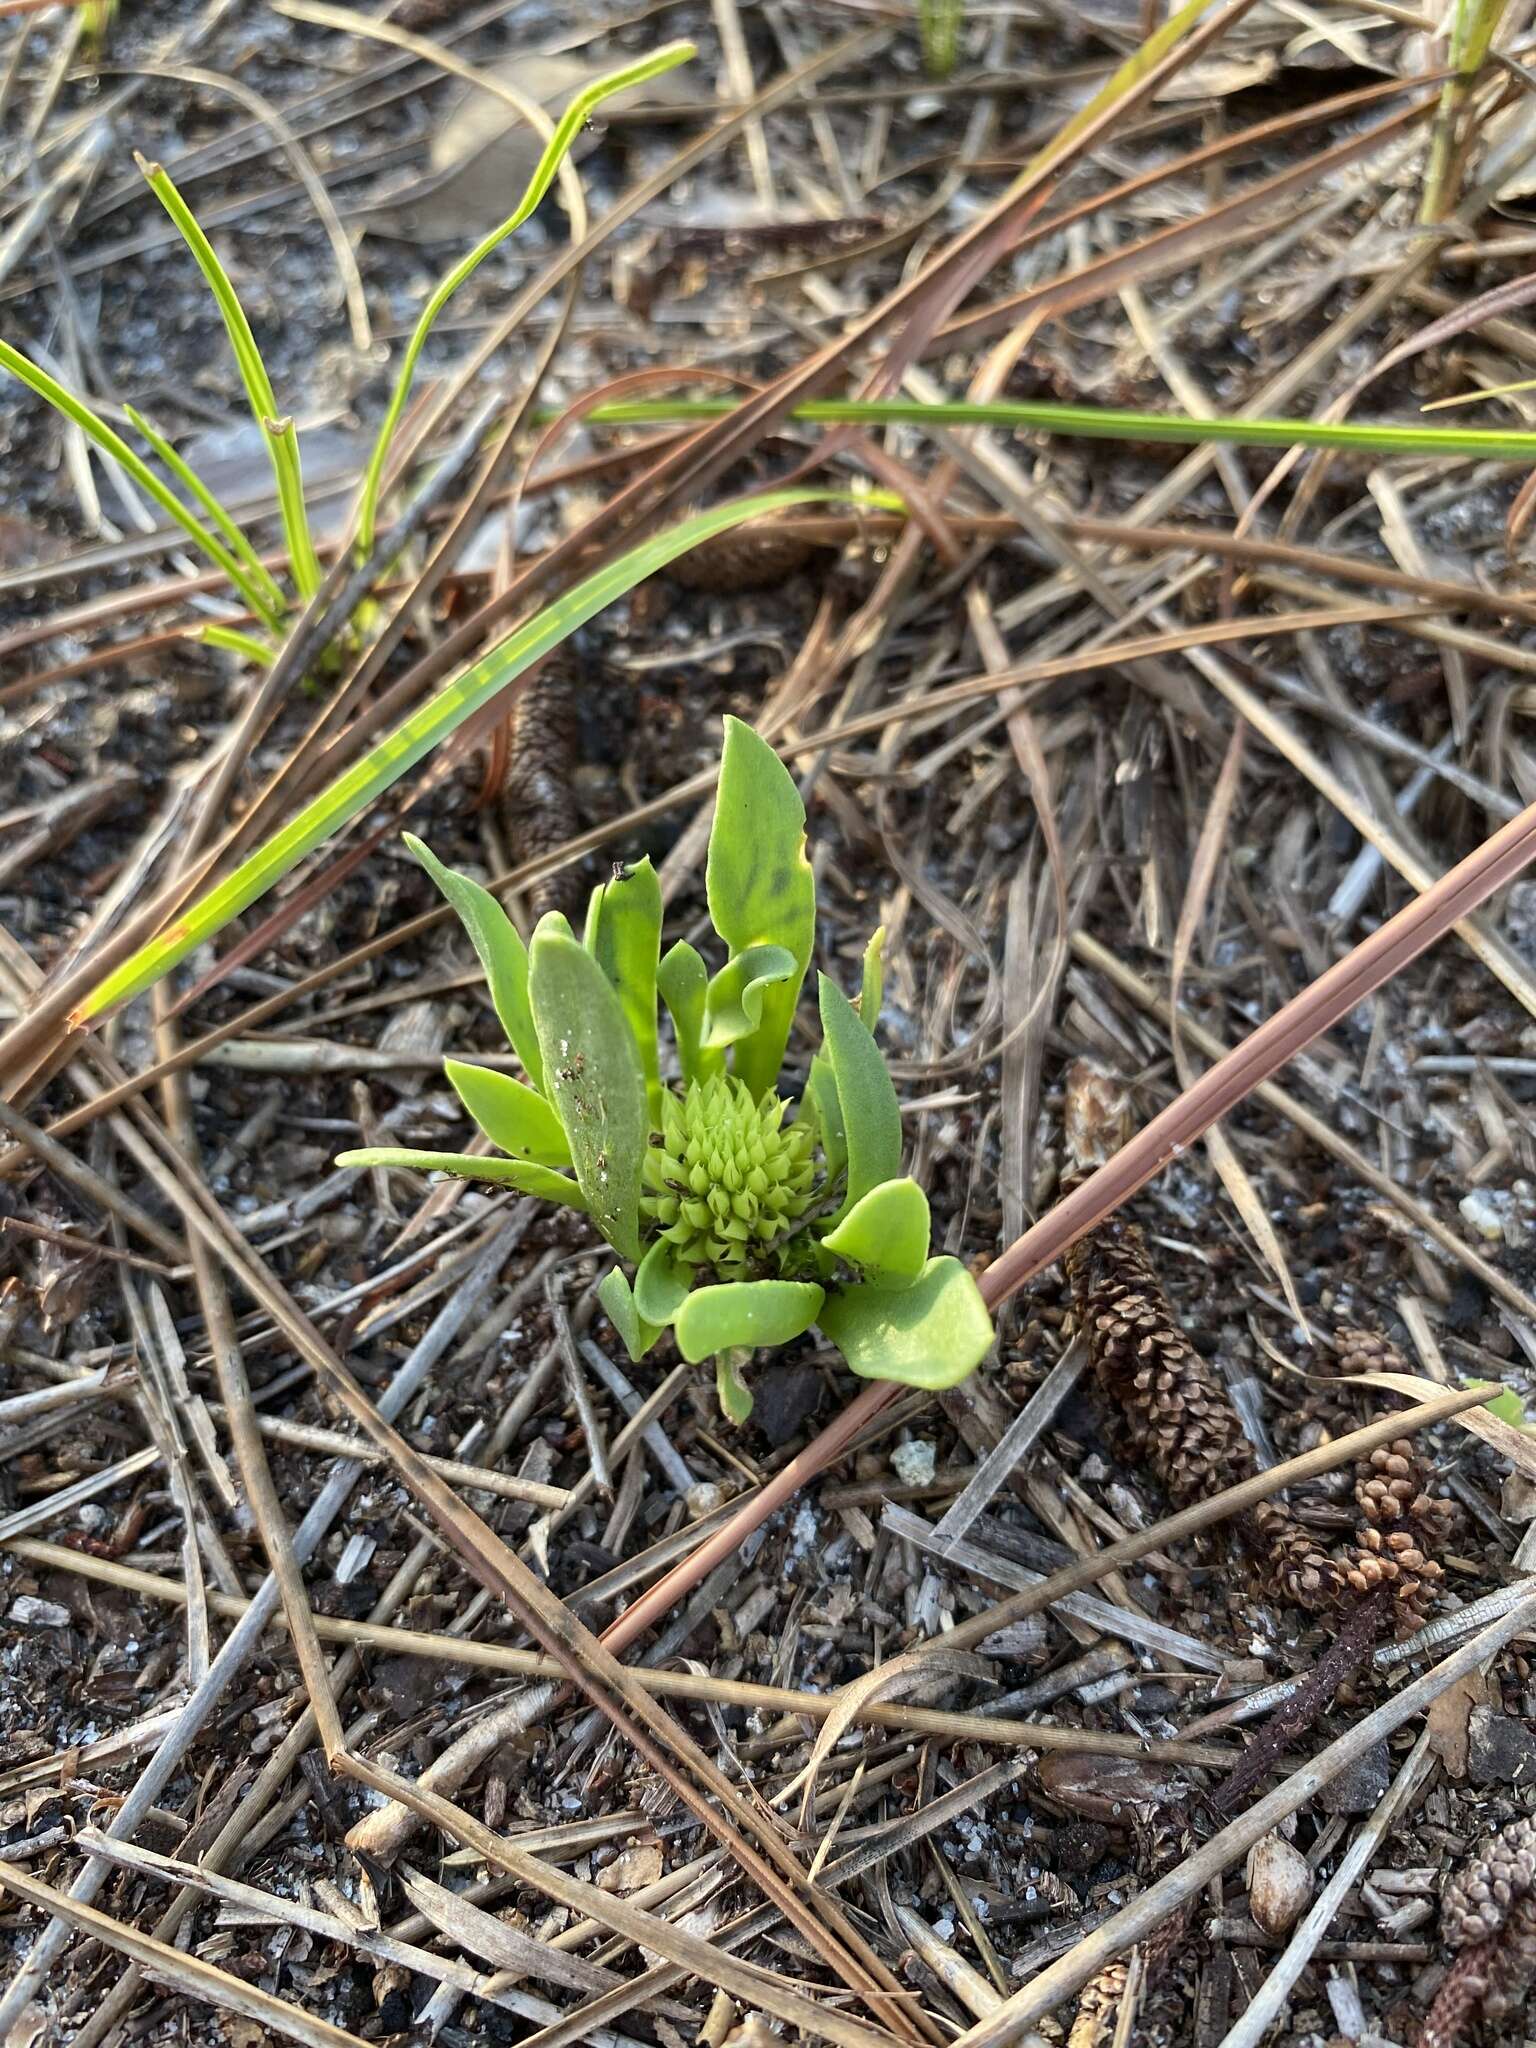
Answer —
931 1334
624 937
865 1094
733 1006
522 1174
618 1302
502 955
521 1123
746 1313
683 980
760 887
662 1284
592 1074
886 1234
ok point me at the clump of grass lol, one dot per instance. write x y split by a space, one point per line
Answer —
199 513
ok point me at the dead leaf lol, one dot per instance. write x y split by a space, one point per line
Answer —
638 1865
1449 1718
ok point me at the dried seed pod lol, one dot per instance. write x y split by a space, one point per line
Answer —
1279 1884
1106 1788
756 560
536 795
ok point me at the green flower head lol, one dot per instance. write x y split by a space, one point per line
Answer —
723 1180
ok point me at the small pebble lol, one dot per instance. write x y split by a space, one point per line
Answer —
913 1463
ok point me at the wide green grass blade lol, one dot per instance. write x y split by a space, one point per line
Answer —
95 428
417 735
277 432
566 131
1483 444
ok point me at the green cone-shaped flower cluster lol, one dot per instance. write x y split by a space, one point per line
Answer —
726 1181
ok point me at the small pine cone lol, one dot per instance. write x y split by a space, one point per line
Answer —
1403 1528
1170 1411
755 559
1300 1573
1098 2007
1502 1874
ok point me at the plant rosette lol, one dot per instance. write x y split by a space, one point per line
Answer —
739 1220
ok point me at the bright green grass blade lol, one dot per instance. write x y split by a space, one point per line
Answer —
95 428
664 59
282 445
417 735
1485 444
233 641
191 482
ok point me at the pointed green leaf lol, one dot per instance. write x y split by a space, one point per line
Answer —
872 987
931 1334
744 1312
502 954
426 727
886 1233
821 1104
619 1307
593 1076
507 1173
871 1116
733 1008
730 1388
760 887
521 1123
554 921
684 983
624 937
662 1284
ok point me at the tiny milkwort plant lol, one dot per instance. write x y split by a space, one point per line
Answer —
742 1224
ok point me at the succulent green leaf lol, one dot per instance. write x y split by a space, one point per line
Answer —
746 1313
619 1307
871 1115
733 1008
872 987
624 936
554 921
821 1106
521 1123
662 1284
684 983
885 1233
730 1388
760 887
502 954
523 1174
593 1076
931 1334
